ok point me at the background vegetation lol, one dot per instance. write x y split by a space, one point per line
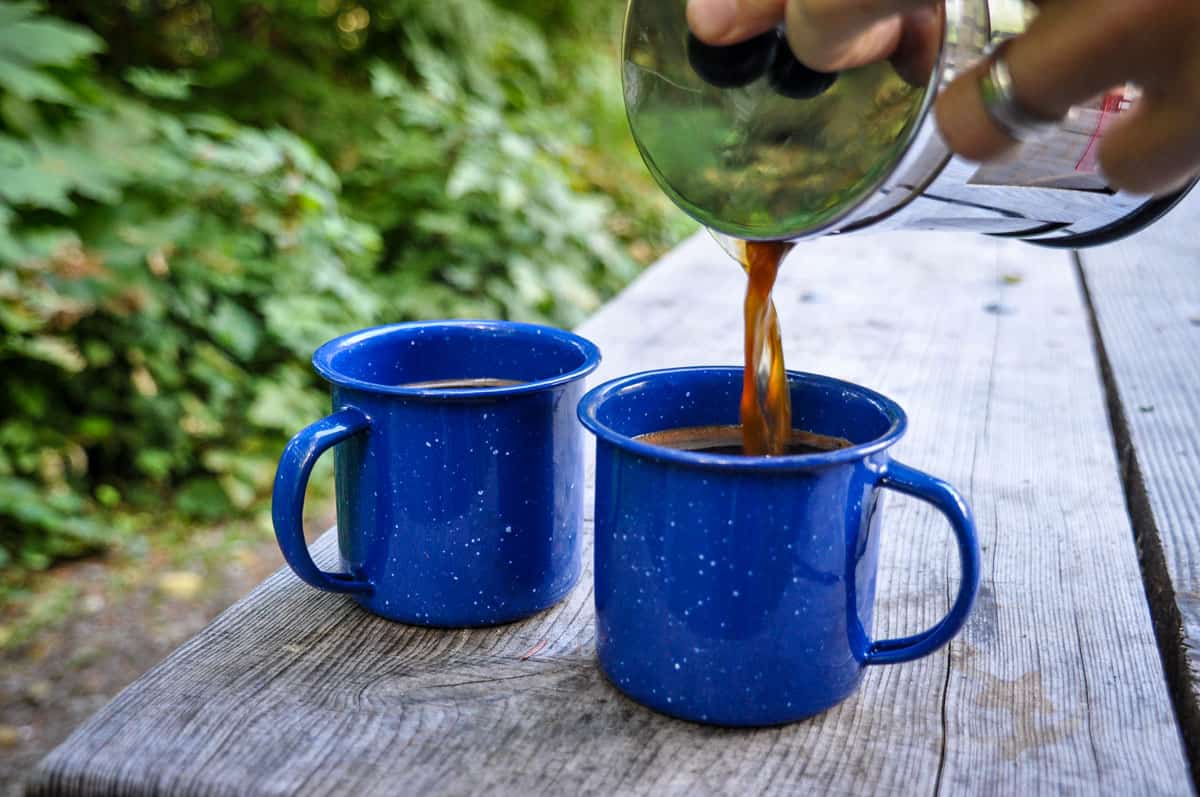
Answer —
195 193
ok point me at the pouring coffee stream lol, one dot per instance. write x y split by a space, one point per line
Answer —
766 405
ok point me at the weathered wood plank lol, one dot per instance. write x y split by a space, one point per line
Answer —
1145 293
1054 687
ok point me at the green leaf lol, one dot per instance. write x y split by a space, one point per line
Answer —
25 178
160 85
56 351
43 41
203 498
95 426
155 463
108 495
302 323
31 84
236 328
286 403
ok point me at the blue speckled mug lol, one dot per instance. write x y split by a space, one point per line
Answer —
739 590
456 506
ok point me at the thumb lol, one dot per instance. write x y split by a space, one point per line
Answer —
720 22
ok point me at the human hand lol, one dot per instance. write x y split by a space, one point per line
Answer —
1072 51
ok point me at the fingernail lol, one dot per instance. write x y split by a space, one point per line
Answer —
712 20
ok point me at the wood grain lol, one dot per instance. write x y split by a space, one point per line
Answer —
1054 687
1145 293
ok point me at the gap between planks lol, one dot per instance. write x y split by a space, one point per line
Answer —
1160 590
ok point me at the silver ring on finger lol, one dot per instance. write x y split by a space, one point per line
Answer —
996 87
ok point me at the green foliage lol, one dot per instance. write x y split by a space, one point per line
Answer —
29 42
146 307
482 204
194 195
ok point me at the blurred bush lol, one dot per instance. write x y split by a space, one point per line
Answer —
194 195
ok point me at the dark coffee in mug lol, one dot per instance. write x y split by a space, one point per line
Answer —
728 440
463 384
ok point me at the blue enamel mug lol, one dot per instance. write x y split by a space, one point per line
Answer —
739 590
456 505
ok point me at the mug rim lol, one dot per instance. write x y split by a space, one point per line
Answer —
590 404
322 359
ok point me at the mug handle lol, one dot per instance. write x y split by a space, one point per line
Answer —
944 498
287 499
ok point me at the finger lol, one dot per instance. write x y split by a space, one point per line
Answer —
1154 147
964 121
1072 51
831 35
721 22
920 42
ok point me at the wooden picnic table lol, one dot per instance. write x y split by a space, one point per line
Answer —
1060 393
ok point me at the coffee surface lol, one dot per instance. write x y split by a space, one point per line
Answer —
728 440
463 384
